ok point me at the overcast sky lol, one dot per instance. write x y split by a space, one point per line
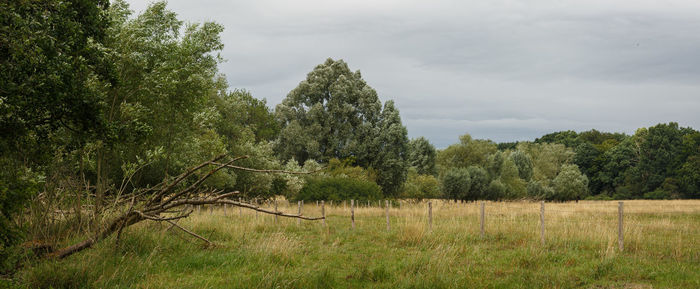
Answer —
503 70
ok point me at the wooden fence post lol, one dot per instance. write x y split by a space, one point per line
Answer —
211 209
299 212
323 211
620 231
482 219
276 216
352 213
542 222
430 215
386 205
225 208
240 209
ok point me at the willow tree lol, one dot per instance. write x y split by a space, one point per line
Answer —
333 113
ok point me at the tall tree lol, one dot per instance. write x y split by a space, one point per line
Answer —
422 156
51 70
333 113
390 161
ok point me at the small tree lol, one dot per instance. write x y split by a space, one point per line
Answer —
570 184
456 183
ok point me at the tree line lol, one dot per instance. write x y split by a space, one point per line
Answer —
96 102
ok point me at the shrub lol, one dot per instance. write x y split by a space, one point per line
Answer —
496 190
338 188
456 183
421 187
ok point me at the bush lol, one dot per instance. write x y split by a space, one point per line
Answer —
421 187
657 195
496 190
337 189
456 184
539 191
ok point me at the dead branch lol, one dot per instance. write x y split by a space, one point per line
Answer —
190 232
268 171
166 199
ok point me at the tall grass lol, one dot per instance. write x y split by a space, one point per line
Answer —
661 249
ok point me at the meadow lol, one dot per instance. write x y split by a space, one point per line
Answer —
253 250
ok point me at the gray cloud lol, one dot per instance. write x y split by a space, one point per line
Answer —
503 70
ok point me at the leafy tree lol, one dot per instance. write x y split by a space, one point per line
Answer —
568 138
456 183
337 189
496 190
659 148
421 186
570 184
333 113
495 164
422 156
615 166
510 177
689 175
390 161
466 153
539 191
524 164
478 183
51 60
52 66
547 158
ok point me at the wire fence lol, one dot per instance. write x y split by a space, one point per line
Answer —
605 222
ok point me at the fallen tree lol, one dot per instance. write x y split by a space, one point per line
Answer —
171 200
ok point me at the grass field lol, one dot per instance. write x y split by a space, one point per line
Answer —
662 249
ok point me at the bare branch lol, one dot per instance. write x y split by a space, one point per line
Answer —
190 232
269 171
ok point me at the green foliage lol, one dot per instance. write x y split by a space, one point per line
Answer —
466 153
345 169
337 189
333 113
538 191
422 156
51 60
16 187
524 164
420 187
456 183
478 183
390 160
570 184
52 67
496 190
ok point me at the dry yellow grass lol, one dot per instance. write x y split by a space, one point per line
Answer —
254 250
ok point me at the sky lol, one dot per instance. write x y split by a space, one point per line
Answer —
504 70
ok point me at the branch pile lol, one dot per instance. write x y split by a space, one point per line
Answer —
172 200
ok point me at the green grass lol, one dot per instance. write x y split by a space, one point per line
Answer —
662 250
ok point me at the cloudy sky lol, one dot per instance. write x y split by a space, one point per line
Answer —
503 70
